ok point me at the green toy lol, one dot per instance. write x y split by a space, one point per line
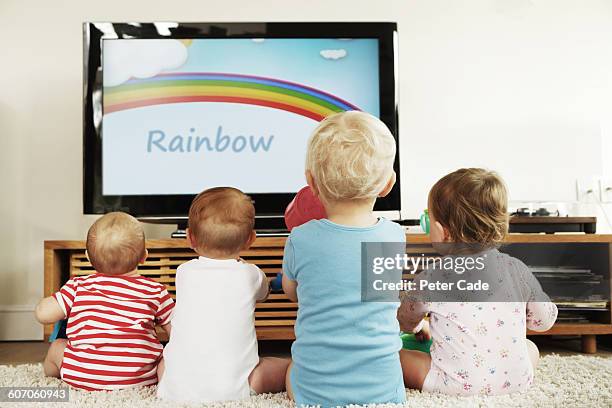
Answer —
409 342
425 221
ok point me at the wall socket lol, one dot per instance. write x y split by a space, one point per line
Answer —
594 189
588 189
605 189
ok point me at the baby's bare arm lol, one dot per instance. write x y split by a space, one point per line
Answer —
290 288
410 317
48 311
264 289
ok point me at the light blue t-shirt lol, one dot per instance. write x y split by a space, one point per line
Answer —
346 351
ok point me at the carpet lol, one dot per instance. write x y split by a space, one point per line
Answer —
561 381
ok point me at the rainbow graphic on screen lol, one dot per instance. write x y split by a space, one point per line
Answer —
169 88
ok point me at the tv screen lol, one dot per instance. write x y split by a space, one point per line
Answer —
173 109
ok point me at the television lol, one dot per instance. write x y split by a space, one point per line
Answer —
171 109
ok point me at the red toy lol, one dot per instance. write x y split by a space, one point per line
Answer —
304 207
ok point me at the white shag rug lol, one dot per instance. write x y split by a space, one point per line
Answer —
572 381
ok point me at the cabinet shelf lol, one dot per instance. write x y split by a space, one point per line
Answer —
275 318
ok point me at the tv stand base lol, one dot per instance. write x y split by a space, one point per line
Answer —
265 226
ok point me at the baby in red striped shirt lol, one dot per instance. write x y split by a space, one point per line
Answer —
111 314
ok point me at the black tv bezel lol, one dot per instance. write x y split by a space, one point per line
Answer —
177 206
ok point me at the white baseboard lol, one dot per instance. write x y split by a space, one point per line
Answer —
17 322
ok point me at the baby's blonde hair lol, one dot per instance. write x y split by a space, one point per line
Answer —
350 156
115 243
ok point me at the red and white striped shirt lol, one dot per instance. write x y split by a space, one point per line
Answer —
111 330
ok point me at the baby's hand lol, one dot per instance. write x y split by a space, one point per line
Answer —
424 334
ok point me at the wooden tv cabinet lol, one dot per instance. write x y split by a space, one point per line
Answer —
275 318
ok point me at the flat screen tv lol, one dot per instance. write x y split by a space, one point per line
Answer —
171 109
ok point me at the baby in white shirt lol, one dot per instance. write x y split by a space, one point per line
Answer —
479 344
212 354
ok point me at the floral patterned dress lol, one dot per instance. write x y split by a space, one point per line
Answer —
480 347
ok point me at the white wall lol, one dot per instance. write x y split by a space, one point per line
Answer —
515 85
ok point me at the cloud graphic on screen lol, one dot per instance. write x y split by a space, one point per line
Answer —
125 59
333 54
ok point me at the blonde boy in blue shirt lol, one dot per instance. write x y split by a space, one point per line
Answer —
346 351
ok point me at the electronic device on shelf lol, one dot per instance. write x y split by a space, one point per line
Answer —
548 217
171 109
